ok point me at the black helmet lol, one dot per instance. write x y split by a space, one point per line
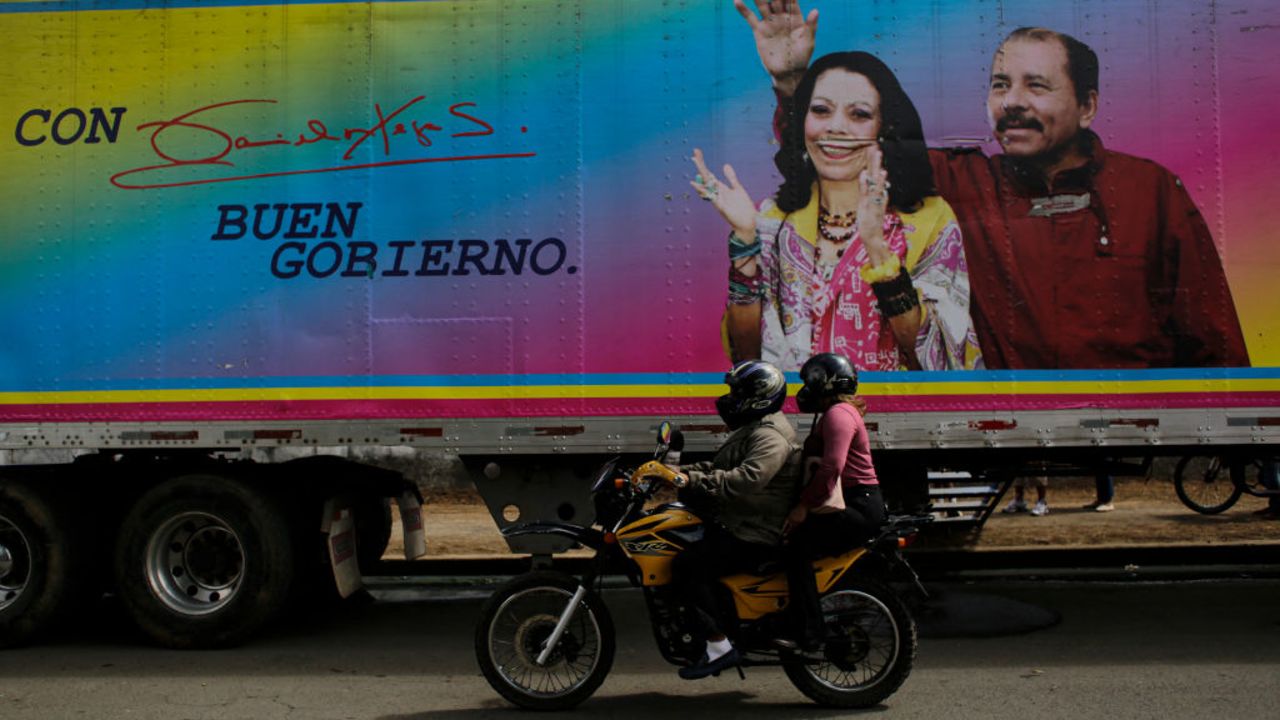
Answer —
756 389
825 375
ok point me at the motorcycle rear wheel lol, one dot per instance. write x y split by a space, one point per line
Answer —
514 623
870 648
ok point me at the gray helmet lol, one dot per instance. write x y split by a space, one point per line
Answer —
756 389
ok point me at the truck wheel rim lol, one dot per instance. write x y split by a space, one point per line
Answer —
15 562
194 563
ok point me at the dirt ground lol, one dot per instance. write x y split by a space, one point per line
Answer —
1147 513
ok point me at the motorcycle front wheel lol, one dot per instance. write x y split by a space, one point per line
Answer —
868 652
515 623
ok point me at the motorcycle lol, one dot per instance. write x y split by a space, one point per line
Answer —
546 641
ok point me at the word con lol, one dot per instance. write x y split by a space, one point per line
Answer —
40 124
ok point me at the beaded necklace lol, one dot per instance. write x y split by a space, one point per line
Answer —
847 222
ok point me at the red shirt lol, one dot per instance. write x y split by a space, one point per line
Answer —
1112 267
842 448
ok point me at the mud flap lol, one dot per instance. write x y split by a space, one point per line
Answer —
339 526
415 536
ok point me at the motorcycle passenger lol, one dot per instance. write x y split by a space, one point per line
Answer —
751 483
840 506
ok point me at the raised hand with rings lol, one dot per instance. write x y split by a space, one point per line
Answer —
874 185
728 196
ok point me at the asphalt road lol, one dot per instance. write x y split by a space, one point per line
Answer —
1185 649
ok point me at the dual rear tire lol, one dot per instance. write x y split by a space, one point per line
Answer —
203 561
44 569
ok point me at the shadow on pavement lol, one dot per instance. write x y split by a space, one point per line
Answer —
650 705
950 614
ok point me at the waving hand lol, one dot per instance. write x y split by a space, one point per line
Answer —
784 38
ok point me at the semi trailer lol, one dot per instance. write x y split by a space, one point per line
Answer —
243 238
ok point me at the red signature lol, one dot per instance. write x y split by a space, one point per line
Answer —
224 146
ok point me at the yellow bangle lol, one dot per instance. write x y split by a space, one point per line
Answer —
879 273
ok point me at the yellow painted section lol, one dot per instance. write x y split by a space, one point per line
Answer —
537 392
655 564
755 596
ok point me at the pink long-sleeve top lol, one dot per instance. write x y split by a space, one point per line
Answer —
842 450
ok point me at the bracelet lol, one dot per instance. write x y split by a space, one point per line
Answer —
873 274
898 304
739 249
896 296
900 284
743 289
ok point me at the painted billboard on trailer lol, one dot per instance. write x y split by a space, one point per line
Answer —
218 210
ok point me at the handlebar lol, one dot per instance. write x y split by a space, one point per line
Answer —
661 471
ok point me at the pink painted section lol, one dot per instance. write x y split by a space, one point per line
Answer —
1000 403
355 410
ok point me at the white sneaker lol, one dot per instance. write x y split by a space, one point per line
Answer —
1015 506
1105 507
1041 508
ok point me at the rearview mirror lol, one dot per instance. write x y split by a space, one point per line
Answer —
664 432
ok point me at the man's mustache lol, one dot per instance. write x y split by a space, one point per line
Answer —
1018 121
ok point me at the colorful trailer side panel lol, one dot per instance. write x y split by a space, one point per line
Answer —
288 211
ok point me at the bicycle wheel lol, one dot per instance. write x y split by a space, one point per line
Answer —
1204 484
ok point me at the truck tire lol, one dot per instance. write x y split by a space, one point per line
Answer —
203 561
41 564
869 652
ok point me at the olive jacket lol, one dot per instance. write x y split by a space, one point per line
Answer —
753 481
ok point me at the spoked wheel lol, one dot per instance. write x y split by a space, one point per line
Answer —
1204 484
516 623
870 647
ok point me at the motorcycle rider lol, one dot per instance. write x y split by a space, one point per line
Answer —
750 484
840 506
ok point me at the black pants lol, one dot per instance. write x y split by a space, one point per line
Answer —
695 571
822 536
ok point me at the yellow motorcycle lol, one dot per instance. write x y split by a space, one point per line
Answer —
546 641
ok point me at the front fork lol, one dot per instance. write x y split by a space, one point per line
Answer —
565 616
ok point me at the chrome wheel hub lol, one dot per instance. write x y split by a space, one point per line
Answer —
194 563
15 563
